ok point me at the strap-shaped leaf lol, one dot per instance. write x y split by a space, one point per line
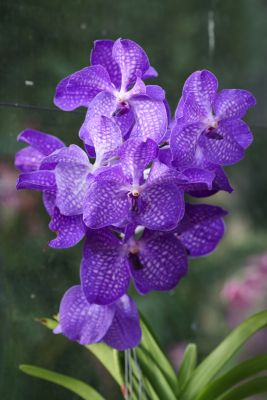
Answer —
154 374
142 388
158 375
213 364
109 358
76 386
188 364
105 354
151 346
244 391
237 374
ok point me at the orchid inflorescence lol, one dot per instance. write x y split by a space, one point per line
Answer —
125 192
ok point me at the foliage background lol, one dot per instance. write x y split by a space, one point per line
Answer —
43 41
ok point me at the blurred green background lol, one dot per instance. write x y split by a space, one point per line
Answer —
43 41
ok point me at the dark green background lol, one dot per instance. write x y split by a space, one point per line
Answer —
43 41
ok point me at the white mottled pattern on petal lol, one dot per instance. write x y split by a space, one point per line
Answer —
132 60
28 159
183 143
233 103
161 173
105 135
70 230
71 187
201 229
203 85
151 120
125 331
163 263
102 54
192 111
135 155
72 154
104 269
81 321
37 180
161 207
106 203
49 200
224 151
43 142
81 87
105 104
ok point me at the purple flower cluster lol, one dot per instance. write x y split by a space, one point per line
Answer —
125 192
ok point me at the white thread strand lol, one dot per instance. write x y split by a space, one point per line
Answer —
126 373
130 375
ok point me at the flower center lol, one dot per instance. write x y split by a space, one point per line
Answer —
211 122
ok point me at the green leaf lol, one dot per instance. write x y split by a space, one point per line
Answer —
237 374
76 386
188 364
247 389
110 360
154 374
158 375
105 354
213 364
147 391
151 346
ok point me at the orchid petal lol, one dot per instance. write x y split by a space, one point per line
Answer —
125 331
132 60
80 88
163 262
161 207
224 151
201 88
106 202
104 269
101 54
71 175
28 159
233 103
70 230
201 229
151 119
150 73
135 155
105 135
183 143
43 142
81 321
37 180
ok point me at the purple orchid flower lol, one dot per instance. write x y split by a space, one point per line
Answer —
198 182
40 146
120 194
64 175
116 324
208 125
113 86
70 229
156 261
